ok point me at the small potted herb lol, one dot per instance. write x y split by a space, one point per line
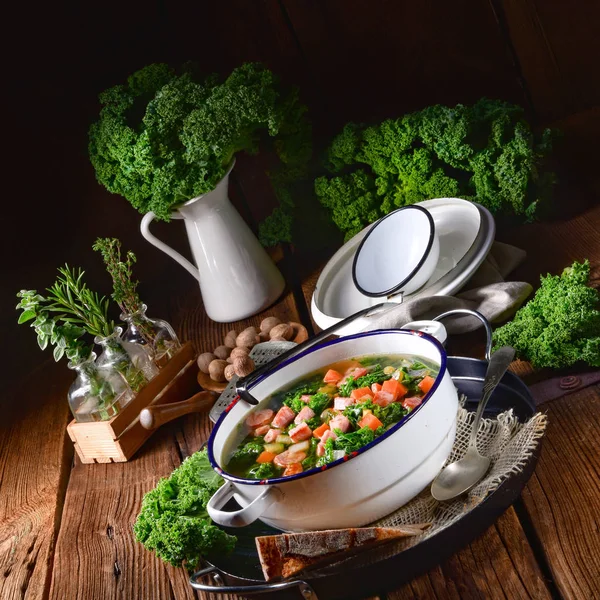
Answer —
157 335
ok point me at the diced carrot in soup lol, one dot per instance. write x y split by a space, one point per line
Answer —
411 403
426 383
391 386
332 376
319 431
265 457
361 393
293 469
370 421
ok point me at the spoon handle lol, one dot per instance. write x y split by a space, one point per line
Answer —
499 363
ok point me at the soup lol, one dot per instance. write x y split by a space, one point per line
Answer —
328 414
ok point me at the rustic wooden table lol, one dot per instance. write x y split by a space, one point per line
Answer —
66 527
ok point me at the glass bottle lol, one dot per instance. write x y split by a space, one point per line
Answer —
156 334
127 358
96 395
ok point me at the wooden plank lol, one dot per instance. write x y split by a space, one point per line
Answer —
35 461
557 49
96 552
499 564
563 497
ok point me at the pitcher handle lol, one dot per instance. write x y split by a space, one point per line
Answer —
184 262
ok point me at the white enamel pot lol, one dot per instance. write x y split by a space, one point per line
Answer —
357 489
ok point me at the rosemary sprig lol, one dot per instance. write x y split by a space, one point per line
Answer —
77 304
124 287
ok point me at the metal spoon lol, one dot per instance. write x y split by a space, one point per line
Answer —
462 475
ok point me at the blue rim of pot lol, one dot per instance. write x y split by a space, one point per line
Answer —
339 461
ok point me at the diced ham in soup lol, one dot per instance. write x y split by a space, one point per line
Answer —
285 415
271 435
304 415
259 417
289 458
302 432
261 430
340 422
342 403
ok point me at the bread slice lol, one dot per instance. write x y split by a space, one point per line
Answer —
285 555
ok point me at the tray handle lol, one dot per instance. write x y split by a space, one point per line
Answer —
472 313
248 590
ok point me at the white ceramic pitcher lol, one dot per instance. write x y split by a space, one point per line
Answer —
237 277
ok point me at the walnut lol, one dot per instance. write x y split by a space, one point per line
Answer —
222 352
216 369
283 330
204 360
243 366
248 338
267 324
238 352
229 372
230 338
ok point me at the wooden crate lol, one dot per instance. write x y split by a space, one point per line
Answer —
118 439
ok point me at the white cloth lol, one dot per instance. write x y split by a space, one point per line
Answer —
486 292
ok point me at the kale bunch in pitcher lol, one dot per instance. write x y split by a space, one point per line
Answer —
166 137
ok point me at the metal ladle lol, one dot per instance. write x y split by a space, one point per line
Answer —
460 476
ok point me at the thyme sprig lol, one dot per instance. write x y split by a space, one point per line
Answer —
79 305
124 287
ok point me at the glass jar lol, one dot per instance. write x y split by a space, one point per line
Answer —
156 334
96 394
129 359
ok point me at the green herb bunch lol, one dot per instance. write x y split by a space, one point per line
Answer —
560 325
65 315
124 287
485 152
165 137
76 303
64 336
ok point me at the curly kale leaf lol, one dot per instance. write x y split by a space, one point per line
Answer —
165 137
560 325
485 152
173 521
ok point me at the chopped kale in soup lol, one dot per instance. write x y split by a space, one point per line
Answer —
329 414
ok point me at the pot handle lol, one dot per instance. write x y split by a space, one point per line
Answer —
244 516
472 313
248 590
184 262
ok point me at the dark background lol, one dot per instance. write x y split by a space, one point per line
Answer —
353 61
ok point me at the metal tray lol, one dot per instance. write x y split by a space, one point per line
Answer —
241 573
